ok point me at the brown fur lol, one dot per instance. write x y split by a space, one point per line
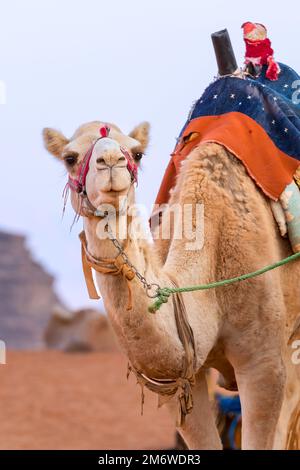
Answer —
241 330
54 141
141 133
293 437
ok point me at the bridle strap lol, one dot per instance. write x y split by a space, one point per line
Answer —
113 266
77 185
87 270
182 386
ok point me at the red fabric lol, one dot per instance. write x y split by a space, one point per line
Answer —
262 50
78 184
248 27
273 69
131 165
104 131
271 169
259 49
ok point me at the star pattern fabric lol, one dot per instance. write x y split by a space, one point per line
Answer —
268 102
257 120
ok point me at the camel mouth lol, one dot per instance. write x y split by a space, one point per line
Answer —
113 189
111 197
113 192
99 185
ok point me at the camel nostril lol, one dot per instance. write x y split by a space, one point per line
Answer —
108 163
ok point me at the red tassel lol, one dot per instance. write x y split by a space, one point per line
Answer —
104 131
273 69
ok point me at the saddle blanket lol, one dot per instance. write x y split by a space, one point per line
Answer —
258 121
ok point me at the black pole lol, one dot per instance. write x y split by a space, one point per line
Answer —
224 52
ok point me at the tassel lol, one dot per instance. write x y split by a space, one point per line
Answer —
104 131
65 196
273 69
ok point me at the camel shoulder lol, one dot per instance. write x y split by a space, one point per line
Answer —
210 171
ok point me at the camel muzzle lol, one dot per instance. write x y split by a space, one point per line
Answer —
78 184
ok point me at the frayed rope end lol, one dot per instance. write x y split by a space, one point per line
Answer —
162 298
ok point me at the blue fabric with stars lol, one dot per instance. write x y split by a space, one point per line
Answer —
274 105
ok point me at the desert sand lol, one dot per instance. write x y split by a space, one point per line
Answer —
56 400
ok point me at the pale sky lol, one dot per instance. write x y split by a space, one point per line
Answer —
66 62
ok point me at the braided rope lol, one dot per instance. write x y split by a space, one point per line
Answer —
164 293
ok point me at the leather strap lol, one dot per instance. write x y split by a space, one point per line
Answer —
87 271
165 388
181 388
113 266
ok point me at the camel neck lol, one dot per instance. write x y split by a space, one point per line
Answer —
136 327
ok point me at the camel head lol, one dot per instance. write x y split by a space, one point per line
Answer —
103 156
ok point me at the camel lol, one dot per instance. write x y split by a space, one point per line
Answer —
80 330
242 330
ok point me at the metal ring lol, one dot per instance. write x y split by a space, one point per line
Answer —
149 287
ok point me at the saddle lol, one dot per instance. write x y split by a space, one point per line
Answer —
258 121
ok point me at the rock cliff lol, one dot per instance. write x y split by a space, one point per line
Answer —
27 297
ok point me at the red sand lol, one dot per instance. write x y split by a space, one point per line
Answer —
55 400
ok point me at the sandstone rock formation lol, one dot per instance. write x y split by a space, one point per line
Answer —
82 330
26 293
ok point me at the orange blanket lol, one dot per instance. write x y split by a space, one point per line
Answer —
271 168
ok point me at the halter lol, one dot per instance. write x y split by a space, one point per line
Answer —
121 265
78 184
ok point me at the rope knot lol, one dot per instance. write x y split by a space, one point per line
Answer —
128 273
162 298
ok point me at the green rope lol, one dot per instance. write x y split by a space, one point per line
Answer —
164 293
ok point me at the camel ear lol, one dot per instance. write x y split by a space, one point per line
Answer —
54 141
141 133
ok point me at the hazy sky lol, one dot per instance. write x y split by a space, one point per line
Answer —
65 62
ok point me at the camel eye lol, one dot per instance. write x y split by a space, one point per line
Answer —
71 159
138 156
